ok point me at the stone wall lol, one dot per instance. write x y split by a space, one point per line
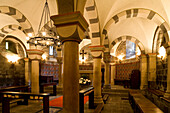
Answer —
11 74
161 75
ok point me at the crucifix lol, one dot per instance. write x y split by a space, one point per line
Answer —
83 53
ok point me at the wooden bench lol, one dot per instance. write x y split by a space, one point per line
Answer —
7 96
48 84
105 97
166 99
157 92
14 88
87 91
141 104
99 108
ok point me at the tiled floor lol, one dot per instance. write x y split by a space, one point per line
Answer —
117 103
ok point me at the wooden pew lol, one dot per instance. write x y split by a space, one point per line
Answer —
157 92
99 108
87 91
105 97
14 88
48 84
166 99
141 104
7 96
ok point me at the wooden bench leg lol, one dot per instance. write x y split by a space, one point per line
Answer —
25 101
46 104
41 89
81 102
91 100
5 105
54 90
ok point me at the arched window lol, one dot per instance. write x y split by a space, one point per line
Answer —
127 50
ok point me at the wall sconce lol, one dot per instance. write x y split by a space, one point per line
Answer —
161 54
12 58
44 57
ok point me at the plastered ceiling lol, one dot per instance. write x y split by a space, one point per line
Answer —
140 28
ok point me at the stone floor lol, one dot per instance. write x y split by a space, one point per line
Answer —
117 103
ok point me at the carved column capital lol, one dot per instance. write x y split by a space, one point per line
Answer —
26 59
34 54
70 26
143 56
97 51
151 55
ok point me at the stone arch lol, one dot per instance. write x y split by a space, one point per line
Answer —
15 39
155 39
94 26
16 14
130 38
9 28
140 13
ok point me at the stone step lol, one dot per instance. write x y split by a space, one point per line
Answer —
117 94
116 90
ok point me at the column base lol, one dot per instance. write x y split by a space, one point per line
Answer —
144 87
167 95
152 84
107 86
98 100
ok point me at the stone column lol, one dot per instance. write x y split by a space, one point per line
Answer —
113 74
35 56
167 94
60 62
107 70
71 28
27 71
107 76
152 70
96 52
143 70
60 78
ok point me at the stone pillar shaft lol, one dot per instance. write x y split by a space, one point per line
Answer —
35 76
113 73
71 78
168 76
97 80
107 76
152 70
35 56
167 94
59 61
71 28
60 83
96 52
143 69
27 71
